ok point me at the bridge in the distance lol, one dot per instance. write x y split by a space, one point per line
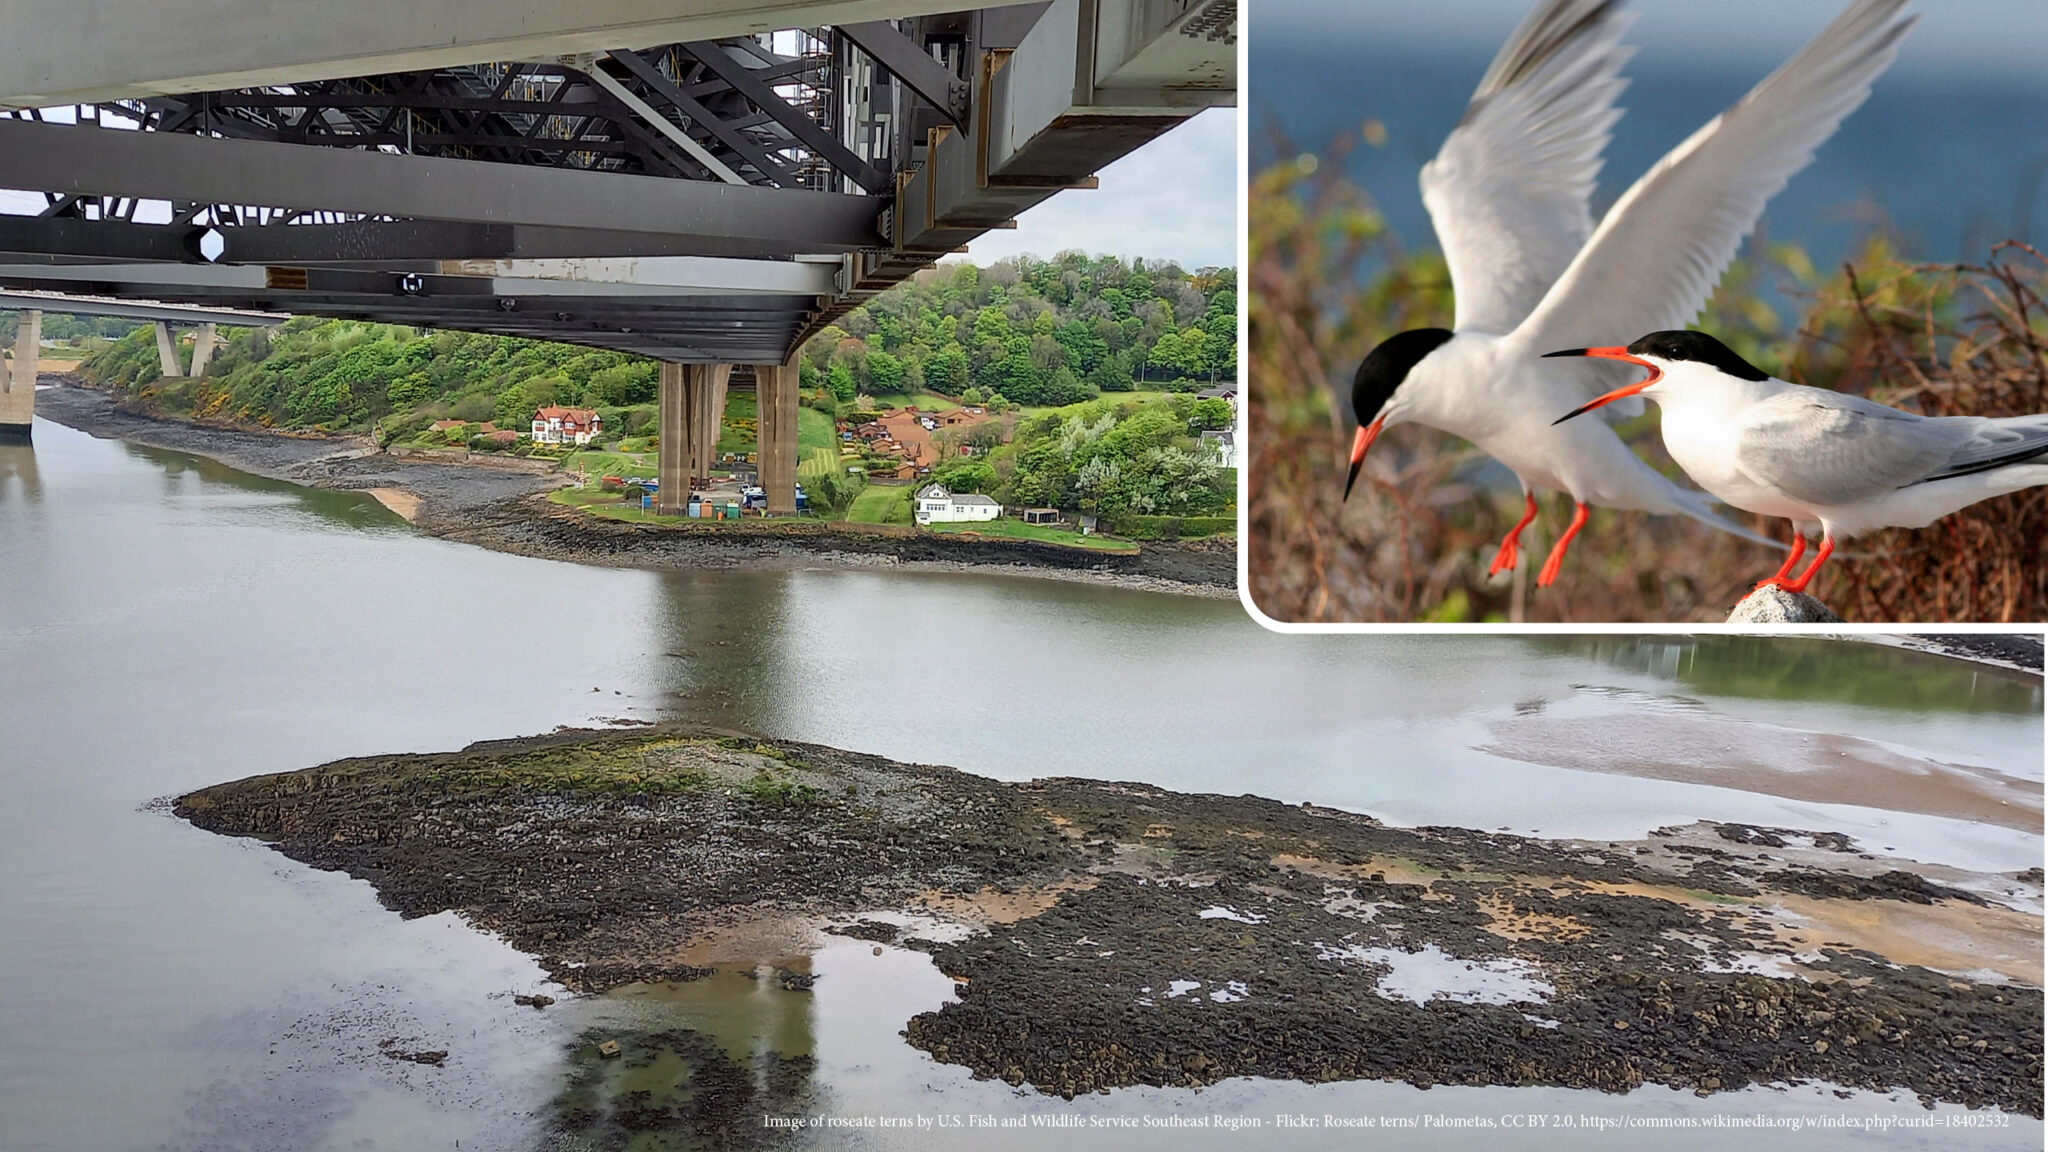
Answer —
705 182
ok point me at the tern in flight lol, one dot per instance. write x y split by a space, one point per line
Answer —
1509 195
1821 459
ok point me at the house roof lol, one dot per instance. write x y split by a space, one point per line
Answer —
580 415
975 499
1221 392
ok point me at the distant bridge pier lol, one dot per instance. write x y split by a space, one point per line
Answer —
775 397
167 351
691 408
204 341
707 416
205 338
691 414
18 382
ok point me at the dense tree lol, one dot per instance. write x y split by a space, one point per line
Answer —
1211 414
1017 325
1030 332
885 373
967 476
839 378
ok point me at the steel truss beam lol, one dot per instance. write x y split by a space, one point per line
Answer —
718 62
55 52
914 66
574 113
102 161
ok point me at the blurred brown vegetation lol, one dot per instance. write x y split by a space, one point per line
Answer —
1328 281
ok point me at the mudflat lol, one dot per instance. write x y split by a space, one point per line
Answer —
1107 934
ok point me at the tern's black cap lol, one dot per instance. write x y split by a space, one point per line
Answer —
1386 366
1697 346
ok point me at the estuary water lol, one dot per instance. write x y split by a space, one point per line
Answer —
171 623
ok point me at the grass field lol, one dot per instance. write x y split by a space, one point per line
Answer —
599 502
924 401
882 504
627 464
813 428
1018 530
1112 397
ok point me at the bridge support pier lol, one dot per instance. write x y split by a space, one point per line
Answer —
204 341
775 391
692 405
708 394
672 425
18 381
167 351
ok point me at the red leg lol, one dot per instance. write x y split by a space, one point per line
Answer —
1552 566
1798 550
1827 548
1510 553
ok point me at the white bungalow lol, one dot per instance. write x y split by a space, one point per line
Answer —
937 505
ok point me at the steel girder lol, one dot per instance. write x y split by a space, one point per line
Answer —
670 323
169 166
401 245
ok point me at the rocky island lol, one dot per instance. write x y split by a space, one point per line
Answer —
1121 934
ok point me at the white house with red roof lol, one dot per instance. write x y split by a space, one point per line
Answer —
566 425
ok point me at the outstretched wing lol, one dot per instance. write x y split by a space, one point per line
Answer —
1659 252
1830 449
1509 190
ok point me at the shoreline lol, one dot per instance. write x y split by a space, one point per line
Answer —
2012 652
506 510
1106 935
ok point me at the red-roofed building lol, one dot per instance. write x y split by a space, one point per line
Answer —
566 425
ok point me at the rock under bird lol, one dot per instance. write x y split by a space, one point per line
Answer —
1509 196
1829 462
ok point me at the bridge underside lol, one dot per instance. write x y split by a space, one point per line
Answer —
706 187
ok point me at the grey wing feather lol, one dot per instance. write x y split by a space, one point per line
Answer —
1654 260
1997 444
1510 190
1830 449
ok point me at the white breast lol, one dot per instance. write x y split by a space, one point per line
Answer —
1702 422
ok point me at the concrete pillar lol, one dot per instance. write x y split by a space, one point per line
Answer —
692 408
167 351
18 383
775 388
672 424
204 341
707 384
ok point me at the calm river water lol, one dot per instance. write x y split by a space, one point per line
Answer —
171 623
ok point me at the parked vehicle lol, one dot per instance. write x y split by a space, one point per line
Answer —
757 497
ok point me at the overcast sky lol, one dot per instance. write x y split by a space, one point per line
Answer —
1173 199
2006 35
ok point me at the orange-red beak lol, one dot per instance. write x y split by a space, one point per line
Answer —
1367 433
1621 354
